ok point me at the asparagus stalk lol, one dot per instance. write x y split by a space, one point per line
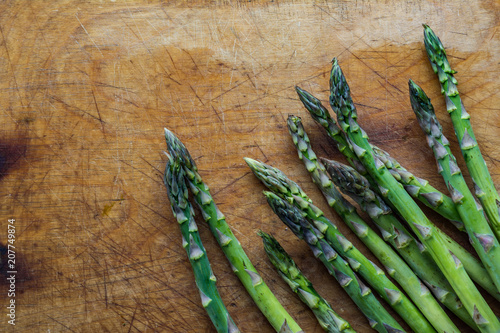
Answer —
427 194
472 265
329 320
321 115
240 263
395 233
480 234
359 263
204 277
421 189
483 184
378 318
393 191
396 267
417 187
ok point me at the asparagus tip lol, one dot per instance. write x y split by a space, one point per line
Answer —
312 104
251 162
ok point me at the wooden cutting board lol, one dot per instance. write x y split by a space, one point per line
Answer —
86 88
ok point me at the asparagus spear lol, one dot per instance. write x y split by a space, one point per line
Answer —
421 189
451 267
329 320
378 318
427 194
480 234
366 268
321 115
416 187
395 233
241 264
483 184
396 267
204 277
472 265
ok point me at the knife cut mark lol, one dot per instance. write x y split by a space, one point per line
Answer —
98 112
11 66
90 37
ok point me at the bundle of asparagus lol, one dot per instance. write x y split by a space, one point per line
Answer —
386 181
181 169
429 268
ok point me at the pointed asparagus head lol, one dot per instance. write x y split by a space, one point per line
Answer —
275 180
421 105
276 254
177 150
436 52
316 109
340 97
346 178
293 218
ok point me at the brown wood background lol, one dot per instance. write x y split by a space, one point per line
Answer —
86 88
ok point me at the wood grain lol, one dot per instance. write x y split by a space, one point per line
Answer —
86 88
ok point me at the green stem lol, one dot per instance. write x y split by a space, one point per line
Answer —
396 267
240 263
329 320
480 234
393 191
204 277
395 233
378 318
417 187
483 184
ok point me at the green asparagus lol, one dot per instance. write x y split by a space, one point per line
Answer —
480 234
452 268
329 320
421 189
378 318
321 115
394 232
416 187
204 277
483 184
366 268
472 265
240 263
396 267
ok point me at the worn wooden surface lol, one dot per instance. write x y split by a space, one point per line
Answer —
86 88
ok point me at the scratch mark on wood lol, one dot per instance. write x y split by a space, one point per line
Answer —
57 99
194 62
242 82
198 97
145 174
231 183
98 112
218 116
170 56
263 154
151 209
90 37
60 323
151 165
11 66
106 273
133 318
